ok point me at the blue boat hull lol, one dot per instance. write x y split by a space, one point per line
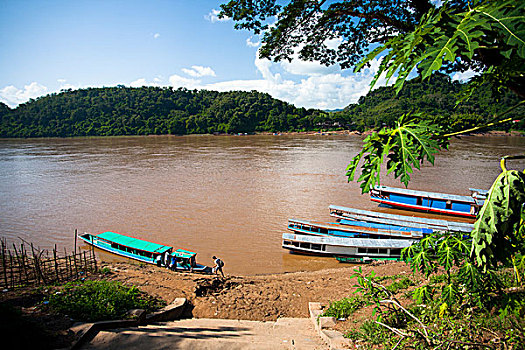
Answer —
465 206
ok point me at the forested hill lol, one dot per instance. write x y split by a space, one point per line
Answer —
435 97
152 110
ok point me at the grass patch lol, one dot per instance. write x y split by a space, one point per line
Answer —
100 300
344 307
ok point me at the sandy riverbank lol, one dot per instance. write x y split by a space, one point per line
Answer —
258 298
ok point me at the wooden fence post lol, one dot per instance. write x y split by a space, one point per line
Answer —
4 265
94 256
11 268
56 263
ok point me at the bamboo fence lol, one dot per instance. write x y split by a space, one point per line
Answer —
24 265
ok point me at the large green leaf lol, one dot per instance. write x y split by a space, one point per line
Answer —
405 147
495 235
444 36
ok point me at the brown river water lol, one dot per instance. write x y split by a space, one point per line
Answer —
229 196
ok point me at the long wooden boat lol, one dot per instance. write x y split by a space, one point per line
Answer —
344 213
360 248
355 229
144 251
441 203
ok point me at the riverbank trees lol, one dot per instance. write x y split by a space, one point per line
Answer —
153 110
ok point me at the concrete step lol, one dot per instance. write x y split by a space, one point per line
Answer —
285 333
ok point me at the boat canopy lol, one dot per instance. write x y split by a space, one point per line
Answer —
185 254
425 194
134 243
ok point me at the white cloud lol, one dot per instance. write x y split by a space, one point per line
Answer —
13 96
321 87
299 67
61 81
304 84
199 71
213 16
156 36
178 81
251 43
138 83
464 76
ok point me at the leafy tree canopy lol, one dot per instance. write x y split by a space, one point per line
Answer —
153 110
477 35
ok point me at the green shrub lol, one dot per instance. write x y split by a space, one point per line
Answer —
344 307
403 283
100 300
370 332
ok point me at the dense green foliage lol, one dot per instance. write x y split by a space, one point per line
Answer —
488 36
464 309
100 300
152 110
306 26
436 98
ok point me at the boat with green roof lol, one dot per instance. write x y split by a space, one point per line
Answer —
145 251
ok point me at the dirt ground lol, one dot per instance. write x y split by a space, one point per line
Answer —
257 298
254 298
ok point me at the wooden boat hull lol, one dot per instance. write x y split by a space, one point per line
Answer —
355 229
440 203
93 240
341 246
344 213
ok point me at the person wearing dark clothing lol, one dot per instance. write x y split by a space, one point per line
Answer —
218 265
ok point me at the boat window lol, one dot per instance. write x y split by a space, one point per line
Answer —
287 243
114 245
296 244
304 245
361 250
382 251
396 252
316 246
372 251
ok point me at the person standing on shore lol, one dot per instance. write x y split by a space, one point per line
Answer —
218 265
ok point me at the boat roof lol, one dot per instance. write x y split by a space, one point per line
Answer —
402 220
181 253
350 242
134 243
425 194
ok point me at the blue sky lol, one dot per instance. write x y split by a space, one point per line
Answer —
49 45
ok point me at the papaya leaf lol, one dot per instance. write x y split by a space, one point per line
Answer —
423 294
445 36
495 234
405 147
449 293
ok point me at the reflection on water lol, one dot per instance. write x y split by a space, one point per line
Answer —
228 196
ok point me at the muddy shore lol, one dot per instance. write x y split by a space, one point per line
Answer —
258 298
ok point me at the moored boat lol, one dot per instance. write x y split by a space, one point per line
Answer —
344 213
441 203
355 229
359 248
144 251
